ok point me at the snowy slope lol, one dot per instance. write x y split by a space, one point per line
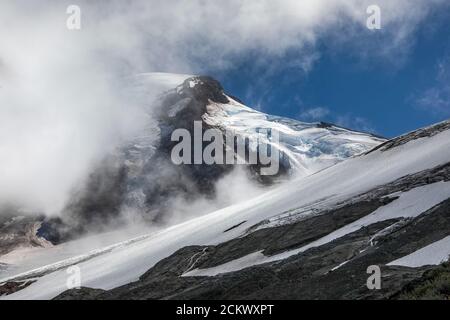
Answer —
170 101
309 147
125 262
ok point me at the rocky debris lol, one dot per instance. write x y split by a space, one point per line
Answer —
433 285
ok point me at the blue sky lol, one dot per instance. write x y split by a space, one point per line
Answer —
388 95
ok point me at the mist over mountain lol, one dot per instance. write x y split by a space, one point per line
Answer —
343 201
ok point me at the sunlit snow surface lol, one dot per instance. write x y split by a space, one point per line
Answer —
124 264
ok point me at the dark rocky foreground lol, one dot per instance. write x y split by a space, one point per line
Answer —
336 270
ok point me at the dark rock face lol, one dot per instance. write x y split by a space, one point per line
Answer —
335 270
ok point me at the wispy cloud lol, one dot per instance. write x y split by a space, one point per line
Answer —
355 122
313 114
436 99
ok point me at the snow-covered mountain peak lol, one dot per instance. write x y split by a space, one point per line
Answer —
305 147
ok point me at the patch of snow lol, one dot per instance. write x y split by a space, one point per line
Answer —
126 263
433 254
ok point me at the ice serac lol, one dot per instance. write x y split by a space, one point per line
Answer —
322 231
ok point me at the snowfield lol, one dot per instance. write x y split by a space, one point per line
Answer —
125 262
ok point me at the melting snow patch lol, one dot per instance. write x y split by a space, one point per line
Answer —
433 254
